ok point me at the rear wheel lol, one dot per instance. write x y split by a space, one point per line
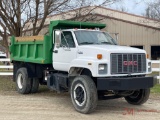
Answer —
34 85
138 97
23 83
83 94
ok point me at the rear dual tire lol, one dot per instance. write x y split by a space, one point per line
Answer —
24 84
34 85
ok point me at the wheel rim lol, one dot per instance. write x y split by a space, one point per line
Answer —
135 94
79 95
20 81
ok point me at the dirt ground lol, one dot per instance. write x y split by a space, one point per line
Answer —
53 106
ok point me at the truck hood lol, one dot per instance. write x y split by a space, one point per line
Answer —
113 48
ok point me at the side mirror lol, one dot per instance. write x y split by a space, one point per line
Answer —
116 35
58 38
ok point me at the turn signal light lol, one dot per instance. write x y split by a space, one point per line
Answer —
99 56
147 56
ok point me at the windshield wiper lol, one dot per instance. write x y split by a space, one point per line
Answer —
83 43
105 42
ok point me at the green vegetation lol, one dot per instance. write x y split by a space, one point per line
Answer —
156 89
154 74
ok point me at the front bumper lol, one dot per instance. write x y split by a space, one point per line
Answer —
131 83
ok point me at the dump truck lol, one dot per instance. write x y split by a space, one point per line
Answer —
84 60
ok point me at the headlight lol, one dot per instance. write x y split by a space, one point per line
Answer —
102 69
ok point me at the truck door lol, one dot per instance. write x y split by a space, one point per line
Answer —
63 55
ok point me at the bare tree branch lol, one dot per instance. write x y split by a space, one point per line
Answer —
153 10
84 9
19 15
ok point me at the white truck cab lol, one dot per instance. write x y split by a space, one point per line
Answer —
98 52
94 54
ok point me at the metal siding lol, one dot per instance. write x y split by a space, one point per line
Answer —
131 34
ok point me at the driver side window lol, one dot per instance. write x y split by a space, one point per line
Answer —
67 39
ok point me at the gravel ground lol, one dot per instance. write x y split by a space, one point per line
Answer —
50 105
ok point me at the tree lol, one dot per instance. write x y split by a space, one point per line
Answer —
15 14
153 10
83 10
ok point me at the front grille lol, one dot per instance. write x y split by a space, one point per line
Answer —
128 63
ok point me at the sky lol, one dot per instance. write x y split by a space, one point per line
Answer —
132 6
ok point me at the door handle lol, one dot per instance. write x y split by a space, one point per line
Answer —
55 51
80 52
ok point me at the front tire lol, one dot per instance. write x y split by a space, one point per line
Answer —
83 94
23 83
138 97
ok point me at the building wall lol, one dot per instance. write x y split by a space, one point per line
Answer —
133 30
132 34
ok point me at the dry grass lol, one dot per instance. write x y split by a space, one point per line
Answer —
6 83
7 86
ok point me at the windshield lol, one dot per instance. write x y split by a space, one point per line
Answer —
94 37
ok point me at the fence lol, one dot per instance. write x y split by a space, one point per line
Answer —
5 67
11 67
157 69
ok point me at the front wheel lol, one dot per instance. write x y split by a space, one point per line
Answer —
138 97
83 94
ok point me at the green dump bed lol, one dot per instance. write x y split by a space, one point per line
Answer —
34 49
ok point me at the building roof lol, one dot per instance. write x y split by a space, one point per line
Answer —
107 13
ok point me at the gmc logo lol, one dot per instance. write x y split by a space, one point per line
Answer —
129 63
